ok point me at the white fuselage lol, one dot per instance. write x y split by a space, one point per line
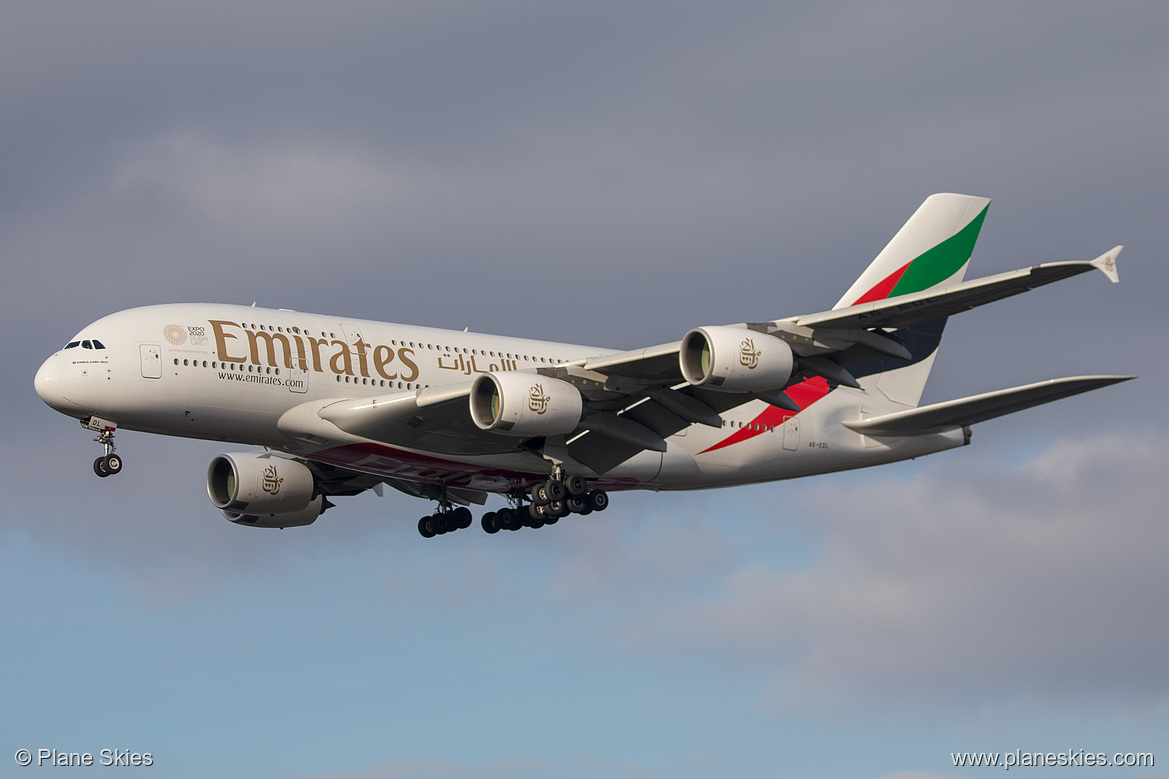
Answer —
233 373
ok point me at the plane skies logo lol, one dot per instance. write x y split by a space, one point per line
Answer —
537 400
748 355
272 480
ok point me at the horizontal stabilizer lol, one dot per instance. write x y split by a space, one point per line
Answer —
953 414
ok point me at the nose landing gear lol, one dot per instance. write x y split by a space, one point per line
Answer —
110 463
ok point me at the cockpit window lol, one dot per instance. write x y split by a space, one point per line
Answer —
73 344
87 344
98 344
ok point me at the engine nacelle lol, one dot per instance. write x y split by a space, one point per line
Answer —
274 491
287 519
732 359
525 404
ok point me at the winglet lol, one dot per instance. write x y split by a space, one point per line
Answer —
1107 263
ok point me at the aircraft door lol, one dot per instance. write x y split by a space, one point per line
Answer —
791 434
352 334
297 380
150 356
353 338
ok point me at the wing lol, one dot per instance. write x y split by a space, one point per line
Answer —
906 310
633 401
837 343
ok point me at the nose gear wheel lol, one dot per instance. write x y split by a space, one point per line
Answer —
109 463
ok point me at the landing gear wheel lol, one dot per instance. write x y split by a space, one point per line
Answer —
598 500
553 490
99 467
425 528
576 485
113 464
578 504
461 518
557 509
441 522
488 522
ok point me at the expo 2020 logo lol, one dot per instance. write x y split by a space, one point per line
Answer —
176 334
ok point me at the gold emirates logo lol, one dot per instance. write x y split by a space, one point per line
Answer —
235 343
748 355
537 400
272 480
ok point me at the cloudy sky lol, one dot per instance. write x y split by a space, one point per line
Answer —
611 173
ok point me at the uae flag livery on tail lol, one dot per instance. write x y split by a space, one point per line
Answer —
932 249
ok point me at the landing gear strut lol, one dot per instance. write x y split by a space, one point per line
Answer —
109 463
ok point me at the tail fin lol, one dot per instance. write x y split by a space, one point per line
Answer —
932 249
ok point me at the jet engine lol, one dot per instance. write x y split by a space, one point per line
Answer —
732 359
525 404
262 490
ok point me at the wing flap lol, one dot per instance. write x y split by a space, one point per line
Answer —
953 414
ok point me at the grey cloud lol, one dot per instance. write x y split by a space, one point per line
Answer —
1037 582
498 149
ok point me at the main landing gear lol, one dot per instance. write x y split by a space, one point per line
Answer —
558 497
445 521
110 463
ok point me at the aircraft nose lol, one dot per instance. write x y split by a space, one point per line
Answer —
48 381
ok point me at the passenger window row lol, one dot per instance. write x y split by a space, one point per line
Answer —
228 366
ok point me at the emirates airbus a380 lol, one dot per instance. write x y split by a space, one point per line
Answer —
343 405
